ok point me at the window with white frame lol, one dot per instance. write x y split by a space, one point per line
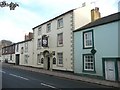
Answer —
22 49
48 27
54 60
42 60
60 39
17 47
60 58
39 30
89 62
10 56
88 39
39 59
26 46
39 43
25 59
60 23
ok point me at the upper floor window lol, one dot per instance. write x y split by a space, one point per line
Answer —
48 27
26 46
3 50
26 59
60 23
88 39
39 43
60 39
17 47
39 30
22 50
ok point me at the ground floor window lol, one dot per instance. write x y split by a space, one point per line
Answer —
60 58
10 56
26 59
39 59
88 62
54 60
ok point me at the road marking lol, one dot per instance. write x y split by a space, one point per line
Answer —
2 71
47 85
18 76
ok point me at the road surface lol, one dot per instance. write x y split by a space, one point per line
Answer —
19 78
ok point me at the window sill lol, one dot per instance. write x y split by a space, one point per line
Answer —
59 27
61 45
60 65
38 48
39 63
87 47
88 71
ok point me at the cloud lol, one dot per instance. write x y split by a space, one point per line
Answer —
15 24
10 31
30 13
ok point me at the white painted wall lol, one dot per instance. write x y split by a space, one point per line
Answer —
72 21
29 53
7 57
66 49
82 16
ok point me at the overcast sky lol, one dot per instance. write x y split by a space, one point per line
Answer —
30 13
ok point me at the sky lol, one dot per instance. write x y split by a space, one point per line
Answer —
14 24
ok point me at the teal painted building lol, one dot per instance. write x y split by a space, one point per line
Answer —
97 48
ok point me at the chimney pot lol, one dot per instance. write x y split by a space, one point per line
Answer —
95 14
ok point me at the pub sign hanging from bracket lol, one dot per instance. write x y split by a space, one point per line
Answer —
44 41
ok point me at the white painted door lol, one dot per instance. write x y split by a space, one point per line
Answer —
119 70
110 70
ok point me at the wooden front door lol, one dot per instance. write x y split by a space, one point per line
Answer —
48 66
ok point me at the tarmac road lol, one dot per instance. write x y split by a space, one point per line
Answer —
19 78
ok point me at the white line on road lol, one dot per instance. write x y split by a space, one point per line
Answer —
18 76
47 85
2 71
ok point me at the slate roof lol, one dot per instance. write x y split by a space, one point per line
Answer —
101 21
54 18
18 43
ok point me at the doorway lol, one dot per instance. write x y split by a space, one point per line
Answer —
48 64
17 59
110 70
119 70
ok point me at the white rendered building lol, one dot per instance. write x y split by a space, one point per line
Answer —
53 40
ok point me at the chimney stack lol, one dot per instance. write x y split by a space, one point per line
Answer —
29 36
95 14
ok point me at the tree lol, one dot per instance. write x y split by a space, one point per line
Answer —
12 5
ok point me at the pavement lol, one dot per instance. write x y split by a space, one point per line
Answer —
69 76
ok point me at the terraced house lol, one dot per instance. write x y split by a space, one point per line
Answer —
20 53
8 53
97 48
53 40
51 47
24 53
